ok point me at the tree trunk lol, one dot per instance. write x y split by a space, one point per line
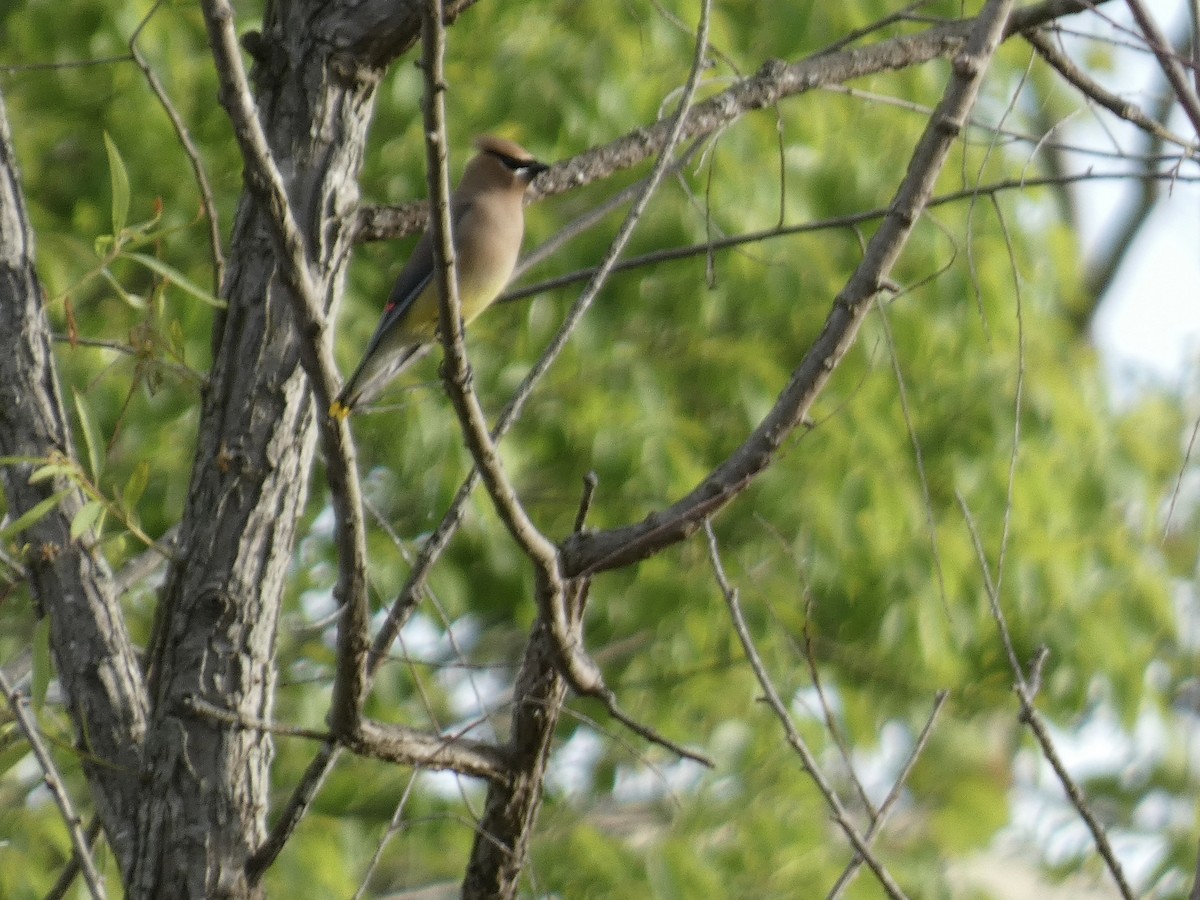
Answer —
205 812
95 660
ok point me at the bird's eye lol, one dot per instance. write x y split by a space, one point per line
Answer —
511 162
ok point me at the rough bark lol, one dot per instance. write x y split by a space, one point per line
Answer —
205 812
502 838
95 660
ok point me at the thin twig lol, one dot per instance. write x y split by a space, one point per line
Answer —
846 221
189 148
393 826
200 707
17 703
1018 400
794 738
71 870
918 453
847 876
1031 717
1093 90
590 482
1183 467
1168 61
1194 27
598 213
810 658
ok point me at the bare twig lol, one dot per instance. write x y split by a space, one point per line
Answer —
1168 60
889 801
794 738
598 214
1018 400
1031 717
1183 467
198 706
1194 26
599 551
393 826
71 870
148 561
831 725
918 454
1093 90
189 148
590 482
79 841
847 221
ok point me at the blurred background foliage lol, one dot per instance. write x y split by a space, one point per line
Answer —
851 563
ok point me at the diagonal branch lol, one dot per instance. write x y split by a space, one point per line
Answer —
600 551
1093 90
1160 45
794 738
83 851
1026 688
775 81
893 796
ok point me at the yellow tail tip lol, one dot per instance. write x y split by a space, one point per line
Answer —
338 410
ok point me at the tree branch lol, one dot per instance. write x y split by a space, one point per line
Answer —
266 183
774 82
794 738
1161 47
83 850
71 580
1092 89
1026 689
600 551
889 802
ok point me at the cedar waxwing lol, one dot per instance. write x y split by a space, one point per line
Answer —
488 223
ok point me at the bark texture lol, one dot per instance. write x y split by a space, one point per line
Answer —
205 814
95 659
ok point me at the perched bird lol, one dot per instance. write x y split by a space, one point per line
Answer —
487 223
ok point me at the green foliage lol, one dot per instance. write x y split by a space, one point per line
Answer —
846 549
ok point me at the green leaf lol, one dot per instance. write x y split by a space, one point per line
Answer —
119 180
177 278
51 470
178 340
133 300
91 438
87 516
136 485
32 516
